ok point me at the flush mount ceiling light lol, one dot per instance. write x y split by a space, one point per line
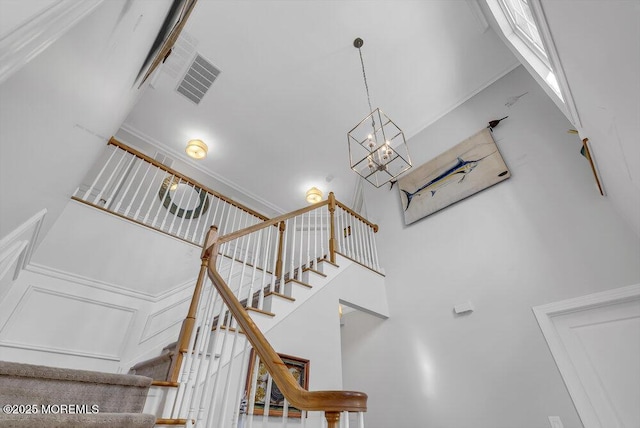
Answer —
377 147
197 149
314 195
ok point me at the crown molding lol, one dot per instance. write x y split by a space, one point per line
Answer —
29 39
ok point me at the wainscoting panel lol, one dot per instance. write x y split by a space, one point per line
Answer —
165 318
72 325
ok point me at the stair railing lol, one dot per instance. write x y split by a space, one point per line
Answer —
134 186
248 274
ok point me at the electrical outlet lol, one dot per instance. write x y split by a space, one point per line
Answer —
555 422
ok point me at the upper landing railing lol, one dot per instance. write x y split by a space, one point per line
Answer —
132 185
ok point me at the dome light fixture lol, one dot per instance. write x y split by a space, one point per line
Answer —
197 149
314 195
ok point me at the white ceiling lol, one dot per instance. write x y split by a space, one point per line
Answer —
291 86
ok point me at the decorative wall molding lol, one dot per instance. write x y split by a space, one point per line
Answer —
149 331
28 40
107 286
20 244
28 298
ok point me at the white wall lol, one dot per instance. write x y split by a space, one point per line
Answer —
597 42
541 236
100 293
57 112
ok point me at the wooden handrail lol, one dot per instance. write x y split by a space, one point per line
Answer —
358 216
272 222
331 402
114 142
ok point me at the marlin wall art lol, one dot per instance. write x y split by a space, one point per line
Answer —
467 168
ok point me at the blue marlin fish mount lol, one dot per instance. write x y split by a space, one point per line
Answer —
469 167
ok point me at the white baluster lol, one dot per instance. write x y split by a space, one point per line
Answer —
309 242
131 180
104 167
300 260
293 247
186 209
135 195
146 217
164 197
118 185
106 185
178 205
325 236
284 256
168 209
315 237
207 223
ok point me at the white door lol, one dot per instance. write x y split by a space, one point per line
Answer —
595 341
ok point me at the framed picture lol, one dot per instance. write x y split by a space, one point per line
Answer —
465 169
298 367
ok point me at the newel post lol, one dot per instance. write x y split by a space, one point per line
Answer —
281 229
189 322
332 237
333 419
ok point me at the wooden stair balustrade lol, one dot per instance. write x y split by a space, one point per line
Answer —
331 402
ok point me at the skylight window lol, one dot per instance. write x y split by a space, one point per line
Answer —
518 20
521 20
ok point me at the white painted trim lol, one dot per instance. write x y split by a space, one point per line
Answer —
531 60
556 64
544 315
179 155
33 221
106 286
146 335
14 246
8 258
24 300
25 42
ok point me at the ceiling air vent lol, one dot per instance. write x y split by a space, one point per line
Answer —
198 79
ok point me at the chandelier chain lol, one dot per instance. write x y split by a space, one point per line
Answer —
364 75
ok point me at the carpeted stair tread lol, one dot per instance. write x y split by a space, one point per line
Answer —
32 384
97 420
57 373
157 368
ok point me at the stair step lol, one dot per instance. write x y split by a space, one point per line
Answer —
329 262
295 281
97 420
165 383
33 384
161 421
317 272
260 311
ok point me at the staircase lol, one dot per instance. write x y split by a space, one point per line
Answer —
253 278
48 397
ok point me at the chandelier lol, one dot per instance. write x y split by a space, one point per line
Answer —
377 148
